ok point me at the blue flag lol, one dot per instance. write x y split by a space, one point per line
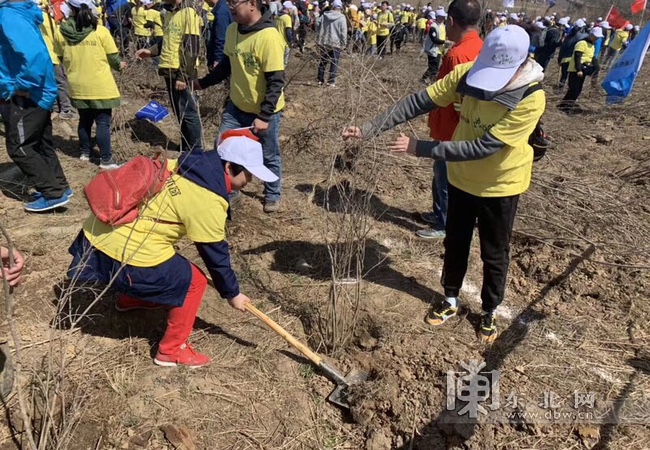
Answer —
551 3
620 79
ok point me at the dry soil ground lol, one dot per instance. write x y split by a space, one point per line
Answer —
575 318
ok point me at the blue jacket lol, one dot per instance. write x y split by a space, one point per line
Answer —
222 19
25 63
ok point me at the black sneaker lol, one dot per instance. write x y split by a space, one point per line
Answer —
488 332
442 313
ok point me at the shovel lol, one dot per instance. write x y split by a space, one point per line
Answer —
339 395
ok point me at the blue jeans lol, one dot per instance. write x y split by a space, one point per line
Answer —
186 109
234 117
440 195
328 55
102 118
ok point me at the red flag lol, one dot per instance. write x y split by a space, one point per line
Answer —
639 6
616 19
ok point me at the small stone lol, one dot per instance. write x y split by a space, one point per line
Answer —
303 266
378 441
604 139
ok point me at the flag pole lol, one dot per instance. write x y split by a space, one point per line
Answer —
609 12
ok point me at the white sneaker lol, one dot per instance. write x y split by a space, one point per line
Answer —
84 157
108 165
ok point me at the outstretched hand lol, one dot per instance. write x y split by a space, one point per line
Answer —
9 272
351 133
403 144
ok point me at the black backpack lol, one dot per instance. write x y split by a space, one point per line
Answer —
538 140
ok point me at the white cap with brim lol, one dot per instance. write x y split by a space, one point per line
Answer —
441 13
514 16
247 153
65 10
563 21
580 23
605 25
629 26
504 51
77 4
540 25
597 32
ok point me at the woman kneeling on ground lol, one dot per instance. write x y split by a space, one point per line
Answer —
139 260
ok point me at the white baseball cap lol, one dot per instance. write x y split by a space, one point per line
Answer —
441 13
605 25
580 23
563 21
287 5
242 147
637 27
504 51
600 19
597 32
629 26
540 25
514 16
337 4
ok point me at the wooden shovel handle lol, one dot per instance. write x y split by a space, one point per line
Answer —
314 357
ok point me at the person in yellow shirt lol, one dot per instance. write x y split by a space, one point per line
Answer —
580 67
371 35
50 31
617 43
421 25
88 52
489 160
385 22
178 65
139 25
285 28
255 64
154 23
139 259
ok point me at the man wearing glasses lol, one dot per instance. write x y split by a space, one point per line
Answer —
255 65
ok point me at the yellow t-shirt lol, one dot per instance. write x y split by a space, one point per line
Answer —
620 38
182 208
384 20
282 22
508 171
587 49
372 33
49 29
422 23
154 16
251 55
177 24
139 17
87 68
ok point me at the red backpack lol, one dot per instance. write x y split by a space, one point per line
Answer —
115 196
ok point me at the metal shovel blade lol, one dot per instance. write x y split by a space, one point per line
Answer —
339 395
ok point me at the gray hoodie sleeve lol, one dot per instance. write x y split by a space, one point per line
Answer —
408 108
459 150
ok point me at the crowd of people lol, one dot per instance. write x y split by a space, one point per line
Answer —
484 102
